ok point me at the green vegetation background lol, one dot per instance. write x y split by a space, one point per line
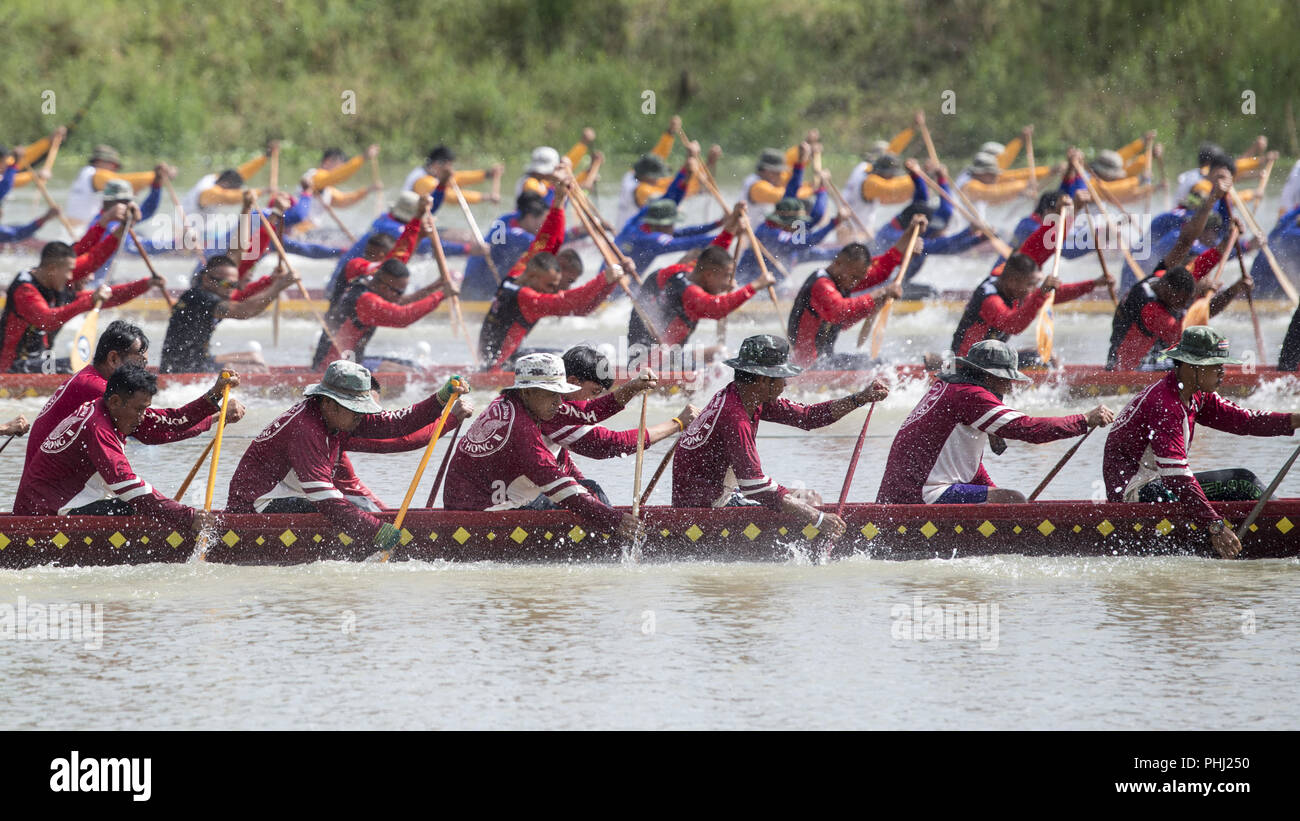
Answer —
494 77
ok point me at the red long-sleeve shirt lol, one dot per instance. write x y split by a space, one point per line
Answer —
373 311
402 249
31 311
548 238
996 314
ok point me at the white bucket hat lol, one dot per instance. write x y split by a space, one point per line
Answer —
404 206
544 160
542 370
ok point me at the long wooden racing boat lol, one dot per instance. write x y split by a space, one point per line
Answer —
1077 528
1077 380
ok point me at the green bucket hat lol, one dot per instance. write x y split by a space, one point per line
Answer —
661 212
765 355
105 153
1201 345
650 165
347 383
118 191
993 357
788 211
887 166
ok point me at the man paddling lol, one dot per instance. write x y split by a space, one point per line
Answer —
503 461
1146 455
81 468
937 456
289 467
123 343
717 462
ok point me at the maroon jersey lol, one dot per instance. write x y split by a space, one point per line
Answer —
82 461
502 462
296 455
158 427
722 440
574 428
1150 437
941 443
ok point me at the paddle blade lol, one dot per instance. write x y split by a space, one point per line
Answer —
83 345
1046 329
1199 313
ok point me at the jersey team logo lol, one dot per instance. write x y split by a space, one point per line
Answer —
282 420
699 431
928 402
491 430
67 431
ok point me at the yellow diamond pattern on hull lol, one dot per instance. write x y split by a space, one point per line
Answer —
59 540
174 539
870 531
287 538
1046 528
577 534
1105 528
117 539
230 538
928 529
345 539
1164 526
405 538
987 529
694 533
1284 525
519 534
461 535
751 531
809 532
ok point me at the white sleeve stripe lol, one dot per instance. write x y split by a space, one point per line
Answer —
997 424
1175 472
992 413
306 485
756 490
135 480
325 494
762 480
1162 460
128 495
555 484
578 433
561 495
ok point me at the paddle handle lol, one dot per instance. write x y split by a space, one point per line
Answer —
284 257
148 263
216 447
853 461
1282 280
194 471
640 459
7 441
442 468
1268 493
1069 453
49 200
1105 269
473 225
424 460
876 327
329 209
659 472
973 218
1101 206
1254 315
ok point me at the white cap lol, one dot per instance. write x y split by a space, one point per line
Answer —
405 205
542 370
544 160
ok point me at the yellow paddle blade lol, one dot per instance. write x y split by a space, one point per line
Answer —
878 332
83 344
1199 313
1046 329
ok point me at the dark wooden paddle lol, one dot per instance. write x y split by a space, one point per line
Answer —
442 469
1043 484
853 462
1268 492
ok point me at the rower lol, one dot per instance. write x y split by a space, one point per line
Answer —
825 306
1211 155
438 165
81 468
792 233
214 296
1146 455
374 302
527 296
213 191
721 444
1284 242
320 183
276 218
769 183
503 461
1196 224
679 296
1116 181
936 222
509 236
575 425
18 233
544 162
937 456
650 232
39 302
123 343
104 165
289 467
864 185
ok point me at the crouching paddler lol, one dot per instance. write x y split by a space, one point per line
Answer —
1146 451
81 467
722 441
503 461
937 456
289 467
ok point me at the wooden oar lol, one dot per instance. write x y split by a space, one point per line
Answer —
614 259
442 469
1101 206
1199 311
876 327
1254 316
424 463
473 226
216 447
971 216
853 461
1046 329
1164 181
844 208
1282 280
83 344
329 209
58 212
640 460
1101 257
457 319
7 441
379 187
55 141
1033 167
1150 172
180 216
1262 187
194 471
663 465
284 257
148 263
762 267
1043 484
1267 494
275 168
